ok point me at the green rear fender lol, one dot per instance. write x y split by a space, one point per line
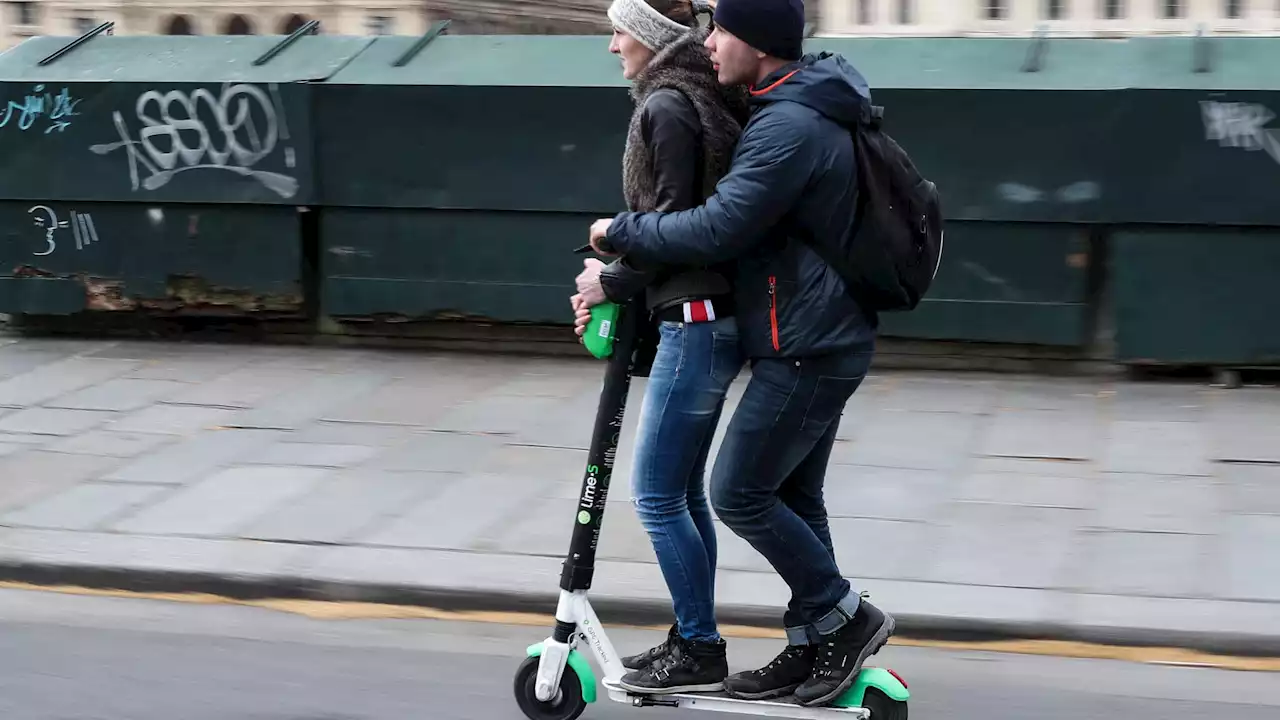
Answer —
579 665
878 678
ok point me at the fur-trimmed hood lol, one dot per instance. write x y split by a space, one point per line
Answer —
684 65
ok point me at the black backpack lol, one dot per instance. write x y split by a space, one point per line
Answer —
891 253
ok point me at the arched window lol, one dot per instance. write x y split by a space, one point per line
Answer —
293 22
237 25
178 25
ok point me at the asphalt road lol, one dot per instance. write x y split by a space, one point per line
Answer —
65 657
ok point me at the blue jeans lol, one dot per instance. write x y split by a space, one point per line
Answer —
692 371
768 478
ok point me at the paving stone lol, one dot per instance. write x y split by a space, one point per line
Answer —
500 415
1031 489
35 474
59 378
406 402
302 405
1154 503
1251 489
1242 425
923 440
224 503
344 505
930 394
884 493
538 377
110 443
546 525
51 421
189 369
244 387
194 457
1045 467
1160 402
1252 563
461 513
1004 545
147 351
1146 563
21 357
439 452
84 506
119 395
26 440
1078 396
553 463
893 549
342 433
95 549
1157 448
174 419
1052 434
313 455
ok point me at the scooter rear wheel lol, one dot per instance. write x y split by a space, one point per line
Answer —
883 707
567 705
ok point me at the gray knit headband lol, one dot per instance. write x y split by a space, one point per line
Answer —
653 29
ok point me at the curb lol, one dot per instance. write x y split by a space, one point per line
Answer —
615 610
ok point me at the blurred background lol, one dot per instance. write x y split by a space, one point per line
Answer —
27 18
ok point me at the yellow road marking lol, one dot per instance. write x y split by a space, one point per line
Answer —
326 610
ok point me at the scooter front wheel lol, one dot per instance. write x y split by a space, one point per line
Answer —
566 705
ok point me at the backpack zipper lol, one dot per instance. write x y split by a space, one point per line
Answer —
773 311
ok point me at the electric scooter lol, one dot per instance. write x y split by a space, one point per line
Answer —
543 688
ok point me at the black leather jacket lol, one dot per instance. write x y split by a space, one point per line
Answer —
673 135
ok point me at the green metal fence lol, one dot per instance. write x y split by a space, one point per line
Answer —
448 177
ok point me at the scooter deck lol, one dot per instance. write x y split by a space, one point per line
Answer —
720 702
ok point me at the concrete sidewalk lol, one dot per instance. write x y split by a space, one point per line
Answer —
973 505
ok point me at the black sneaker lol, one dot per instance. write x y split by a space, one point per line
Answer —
646 658
841 655
780 677
687 667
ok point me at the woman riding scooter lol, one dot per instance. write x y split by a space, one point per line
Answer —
680 142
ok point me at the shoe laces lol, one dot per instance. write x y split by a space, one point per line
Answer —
790 652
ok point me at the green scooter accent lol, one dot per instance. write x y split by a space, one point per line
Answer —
601 329
878 678
579 665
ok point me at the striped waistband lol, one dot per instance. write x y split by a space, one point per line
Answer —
695 311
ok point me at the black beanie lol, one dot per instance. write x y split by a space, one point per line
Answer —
774 27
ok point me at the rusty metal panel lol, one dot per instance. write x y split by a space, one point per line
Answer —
61 257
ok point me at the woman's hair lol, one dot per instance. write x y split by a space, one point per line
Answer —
682 11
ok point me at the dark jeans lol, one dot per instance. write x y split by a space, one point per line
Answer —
767 482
